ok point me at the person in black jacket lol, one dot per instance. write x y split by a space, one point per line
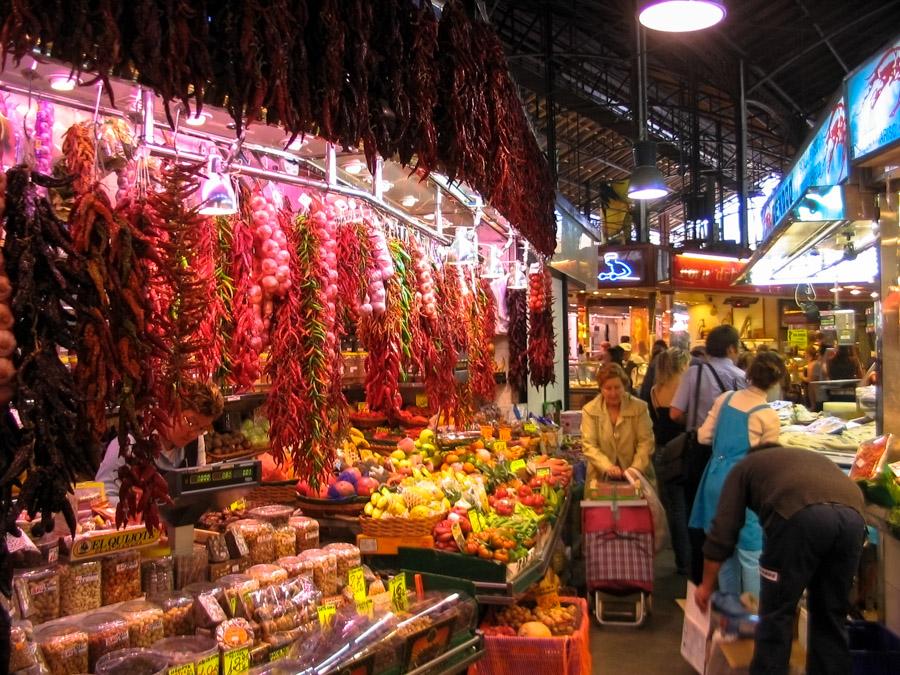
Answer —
811 514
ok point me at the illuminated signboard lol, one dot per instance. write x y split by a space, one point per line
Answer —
624 266
823 162
873 96
821 203
705 273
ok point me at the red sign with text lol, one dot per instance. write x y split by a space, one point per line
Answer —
705 273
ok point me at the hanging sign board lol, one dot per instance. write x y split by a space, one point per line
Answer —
798 337
626 266
823 162
873 99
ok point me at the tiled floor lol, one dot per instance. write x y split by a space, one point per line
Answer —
654 647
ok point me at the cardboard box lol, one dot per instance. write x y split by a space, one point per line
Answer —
695 633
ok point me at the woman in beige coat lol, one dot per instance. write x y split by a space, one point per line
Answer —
616 431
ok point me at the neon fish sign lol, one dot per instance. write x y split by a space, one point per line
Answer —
616 270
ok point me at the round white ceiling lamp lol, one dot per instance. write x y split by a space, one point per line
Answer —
63 82
680 16
353 167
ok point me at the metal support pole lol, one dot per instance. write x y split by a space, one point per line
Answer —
741 169
550 98
331 165
377 183
149 126
438 214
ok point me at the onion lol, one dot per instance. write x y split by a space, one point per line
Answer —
260 218
365 309
7 371
282 274
379 307
258 326
6 317
332 275
270 248
268 266
283 257
264 232
257 203
7 343
269 284
268 308
256 343
320 218
256 294
284 286
279 236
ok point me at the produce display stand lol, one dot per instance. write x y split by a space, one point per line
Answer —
490 580
457 659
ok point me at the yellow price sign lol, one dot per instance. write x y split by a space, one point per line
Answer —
421 400
530 428
365 607
236 661
326 615
486 431
209 665
798 337
356 580
544 471
280 653
517 465
397 589
499 446
183 669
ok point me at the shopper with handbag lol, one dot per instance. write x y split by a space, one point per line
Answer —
685 457
670 366
738 421
616 430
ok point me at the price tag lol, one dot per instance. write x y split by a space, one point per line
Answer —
530 428
365 607
544 471
236 661
209 665
356 579
382 431
478 521
362 406
421 400
326 615
487 431
279 653
183 669
458 536
499 446
505 434
517 465
397 589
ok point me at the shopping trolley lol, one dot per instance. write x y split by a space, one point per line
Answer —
617 527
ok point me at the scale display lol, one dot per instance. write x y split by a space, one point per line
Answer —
213 477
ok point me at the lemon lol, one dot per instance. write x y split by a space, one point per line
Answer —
420 512
377 513
382 502
368 509
398 455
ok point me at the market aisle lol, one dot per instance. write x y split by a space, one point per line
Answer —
655 648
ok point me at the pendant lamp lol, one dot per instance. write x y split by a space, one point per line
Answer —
680 16
217 197
646 180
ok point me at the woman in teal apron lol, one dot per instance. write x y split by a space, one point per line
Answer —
741 419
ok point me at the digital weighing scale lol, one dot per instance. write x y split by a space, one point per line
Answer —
195 490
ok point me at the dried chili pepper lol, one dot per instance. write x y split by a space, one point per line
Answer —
517 307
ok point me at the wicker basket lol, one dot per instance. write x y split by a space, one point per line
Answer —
322 508
399 527
280 492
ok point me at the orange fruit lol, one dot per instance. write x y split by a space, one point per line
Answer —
451 458
468 467
478 445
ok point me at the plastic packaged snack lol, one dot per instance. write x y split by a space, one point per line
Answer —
43 587
260 538
208 612
192 568
107 632
236 590
274 514
23 650
348 557
157 575
324 569
268 575
132 662
295 566
64 648
217 548
120 577
197 650
178 613
307 531
145 622
234 634
870 457
81 581
285 540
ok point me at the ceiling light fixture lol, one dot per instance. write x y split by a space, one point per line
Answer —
428 216
353 167
647 181
63 82
680 16
409 201
197 120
